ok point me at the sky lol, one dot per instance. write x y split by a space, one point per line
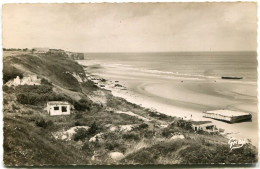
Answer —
130 27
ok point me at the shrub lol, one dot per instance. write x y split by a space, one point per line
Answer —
45 82
149 133
39 89
77 123
82 105
38 94
88 148
8 89
184 124
78 116
80 134
143 156
157 115
166 132
218 154
112 145
43 123
131 136
10 72
115 146
143 126
93 129
28 112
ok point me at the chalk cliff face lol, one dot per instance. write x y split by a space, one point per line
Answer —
55 67
75 56
26 80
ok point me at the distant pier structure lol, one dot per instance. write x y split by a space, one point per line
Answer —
228 115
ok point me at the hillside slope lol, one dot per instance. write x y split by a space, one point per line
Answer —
95 129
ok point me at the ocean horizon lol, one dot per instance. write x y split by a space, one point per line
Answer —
189 64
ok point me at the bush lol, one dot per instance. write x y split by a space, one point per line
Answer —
184 124
131 136
93 129
43 123
77 123
115 146
37 89
88 148
78 116
149 133
143 156
38 94
158 115
218 154
8 89
166 132
82 105
80 134
28 112
10 72
45 82
112 145
143 126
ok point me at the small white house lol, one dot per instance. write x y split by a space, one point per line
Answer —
204 126
58 108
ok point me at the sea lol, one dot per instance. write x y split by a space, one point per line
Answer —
184 84
184 64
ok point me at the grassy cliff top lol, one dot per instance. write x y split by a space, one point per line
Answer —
29 132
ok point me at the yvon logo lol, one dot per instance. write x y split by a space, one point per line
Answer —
236 143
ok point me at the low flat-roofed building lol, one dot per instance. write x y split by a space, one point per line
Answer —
58 108
204 126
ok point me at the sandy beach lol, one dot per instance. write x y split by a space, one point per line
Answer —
185 97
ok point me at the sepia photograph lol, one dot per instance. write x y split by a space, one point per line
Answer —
129 83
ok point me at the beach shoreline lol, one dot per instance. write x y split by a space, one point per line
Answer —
187 99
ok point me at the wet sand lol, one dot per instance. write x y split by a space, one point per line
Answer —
184 97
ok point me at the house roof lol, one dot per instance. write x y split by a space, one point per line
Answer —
227 113
58 103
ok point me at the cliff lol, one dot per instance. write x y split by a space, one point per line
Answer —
102 129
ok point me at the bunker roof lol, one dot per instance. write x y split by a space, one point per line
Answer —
58 103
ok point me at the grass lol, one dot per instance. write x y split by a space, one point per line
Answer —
28 128
25 144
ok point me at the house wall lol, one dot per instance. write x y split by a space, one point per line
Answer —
54 112
202 127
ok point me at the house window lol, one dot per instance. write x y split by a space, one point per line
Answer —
209 127
64 108
56 108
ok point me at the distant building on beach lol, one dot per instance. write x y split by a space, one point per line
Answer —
58 108
204 126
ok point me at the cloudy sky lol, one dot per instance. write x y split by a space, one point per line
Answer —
131 27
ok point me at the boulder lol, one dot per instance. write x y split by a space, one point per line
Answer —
97 137
116 156
177 137
126 128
